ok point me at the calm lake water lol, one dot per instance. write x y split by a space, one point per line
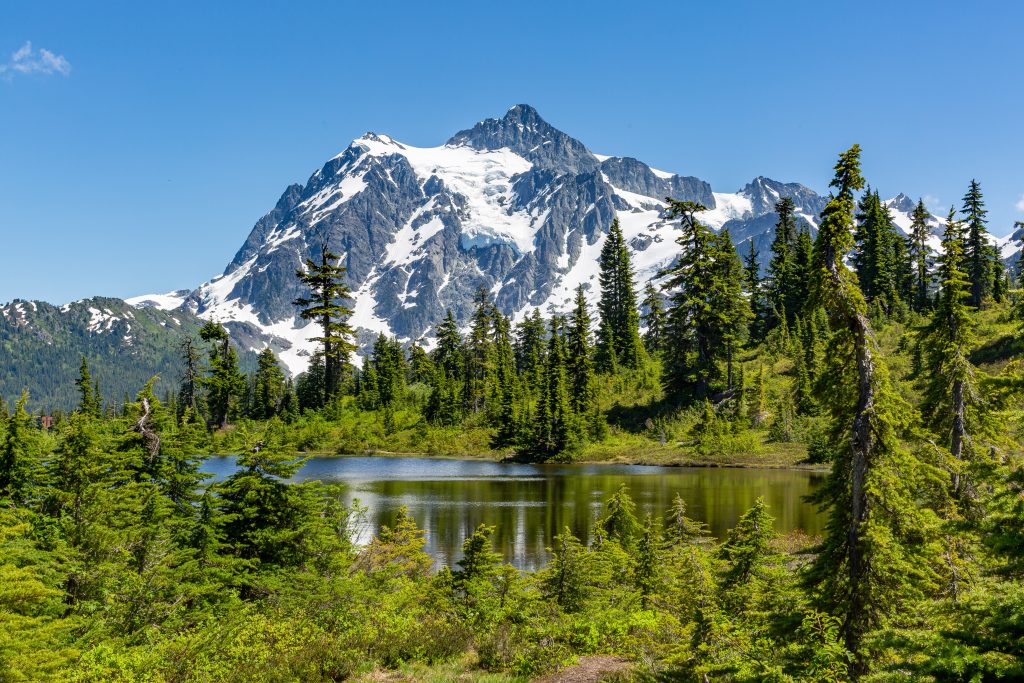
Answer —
530 504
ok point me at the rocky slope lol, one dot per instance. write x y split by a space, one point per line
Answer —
511 204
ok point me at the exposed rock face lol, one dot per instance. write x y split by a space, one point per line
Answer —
512 205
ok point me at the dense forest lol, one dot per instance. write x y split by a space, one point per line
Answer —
860 350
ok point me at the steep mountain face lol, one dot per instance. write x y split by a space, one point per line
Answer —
512 205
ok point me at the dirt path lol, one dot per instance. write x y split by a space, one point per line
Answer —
587 670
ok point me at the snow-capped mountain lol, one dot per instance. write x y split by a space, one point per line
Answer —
511 204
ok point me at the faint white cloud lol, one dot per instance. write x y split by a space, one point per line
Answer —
932 202
26 60
1020 203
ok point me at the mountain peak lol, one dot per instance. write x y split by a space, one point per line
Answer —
902 202
525 132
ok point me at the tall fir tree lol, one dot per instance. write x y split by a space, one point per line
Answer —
619 344
752 287
803 265
224 382
708 313
529 350
920 252
19 453
309 386
325 306
977 256
784 298
877 256
191 378
877 553
504 388
953 405
448 356
89 402
579 361
479 353
420 366
557 428
268 386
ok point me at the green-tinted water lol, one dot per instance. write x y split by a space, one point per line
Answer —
530 504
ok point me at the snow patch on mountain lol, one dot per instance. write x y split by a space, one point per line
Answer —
728 206
483 177
165 302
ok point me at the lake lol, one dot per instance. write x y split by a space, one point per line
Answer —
530 504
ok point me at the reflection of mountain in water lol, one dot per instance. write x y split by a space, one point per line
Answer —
530 504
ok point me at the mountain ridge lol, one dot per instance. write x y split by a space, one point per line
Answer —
511 204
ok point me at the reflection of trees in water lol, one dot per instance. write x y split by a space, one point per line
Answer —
529 512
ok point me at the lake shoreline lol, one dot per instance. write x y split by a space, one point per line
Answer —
621 460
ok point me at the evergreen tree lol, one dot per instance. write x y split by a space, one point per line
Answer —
578 358
748 544
224 383
804 274
681 529
88 403
953 405
876 259
920 232
784 296
261 512
619 522
479 353
19 453
443 407
448 356
977 257
618 305
397 551
647 573
567 579
653 319
734 311
556 428
367 385
479 561
505 390
191 378
309 386
877 553
529 350
325 306
420 366
708 313
268 386
752 287
387 368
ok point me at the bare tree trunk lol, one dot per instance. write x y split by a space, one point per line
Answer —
862 445
151 438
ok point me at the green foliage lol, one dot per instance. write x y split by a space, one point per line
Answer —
325 306
708 316
619 344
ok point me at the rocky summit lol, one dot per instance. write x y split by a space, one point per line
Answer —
511 204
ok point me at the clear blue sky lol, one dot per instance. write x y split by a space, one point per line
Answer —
137 152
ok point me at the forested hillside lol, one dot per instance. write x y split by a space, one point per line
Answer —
41 349
861 350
